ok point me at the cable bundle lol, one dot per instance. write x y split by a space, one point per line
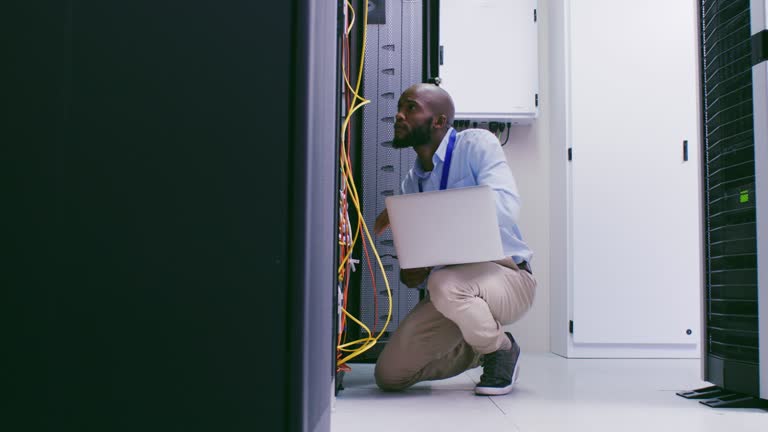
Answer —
348 191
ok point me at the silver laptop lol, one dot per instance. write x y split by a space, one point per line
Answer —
453 226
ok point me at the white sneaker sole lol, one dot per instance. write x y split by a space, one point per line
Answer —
498 391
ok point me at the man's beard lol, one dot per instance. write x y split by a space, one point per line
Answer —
418 136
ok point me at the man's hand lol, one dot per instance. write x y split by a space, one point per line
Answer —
413 277
382 223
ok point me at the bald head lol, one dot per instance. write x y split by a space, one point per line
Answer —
424 115
435 98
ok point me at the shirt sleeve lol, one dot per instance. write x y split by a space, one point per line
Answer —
489 167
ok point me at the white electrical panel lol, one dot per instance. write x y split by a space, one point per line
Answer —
489 58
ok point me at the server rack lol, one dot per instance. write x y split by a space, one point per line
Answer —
759 9
733 327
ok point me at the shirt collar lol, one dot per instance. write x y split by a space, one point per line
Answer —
439 156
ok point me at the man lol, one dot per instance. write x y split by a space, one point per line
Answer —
459 324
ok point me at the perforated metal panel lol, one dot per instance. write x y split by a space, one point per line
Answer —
393 62
732 322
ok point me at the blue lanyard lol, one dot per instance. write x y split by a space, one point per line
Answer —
447 163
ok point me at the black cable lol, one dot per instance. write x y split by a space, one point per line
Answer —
507 139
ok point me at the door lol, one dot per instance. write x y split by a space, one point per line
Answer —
635 189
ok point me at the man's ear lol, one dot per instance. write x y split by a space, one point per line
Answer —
441 121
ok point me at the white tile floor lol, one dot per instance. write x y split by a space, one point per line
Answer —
553 394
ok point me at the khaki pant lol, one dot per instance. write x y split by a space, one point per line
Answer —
460 319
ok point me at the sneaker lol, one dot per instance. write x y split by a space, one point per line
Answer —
500 370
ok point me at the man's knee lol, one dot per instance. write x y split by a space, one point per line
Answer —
388 378
443 288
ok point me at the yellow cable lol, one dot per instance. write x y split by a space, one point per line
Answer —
348 177
362 57
361 324
352 21
349 86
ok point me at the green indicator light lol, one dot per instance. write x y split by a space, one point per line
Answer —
744 197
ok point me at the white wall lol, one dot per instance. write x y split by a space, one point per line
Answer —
528 153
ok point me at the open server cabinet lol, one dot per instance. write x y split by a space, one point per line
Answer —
735 114
396 57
